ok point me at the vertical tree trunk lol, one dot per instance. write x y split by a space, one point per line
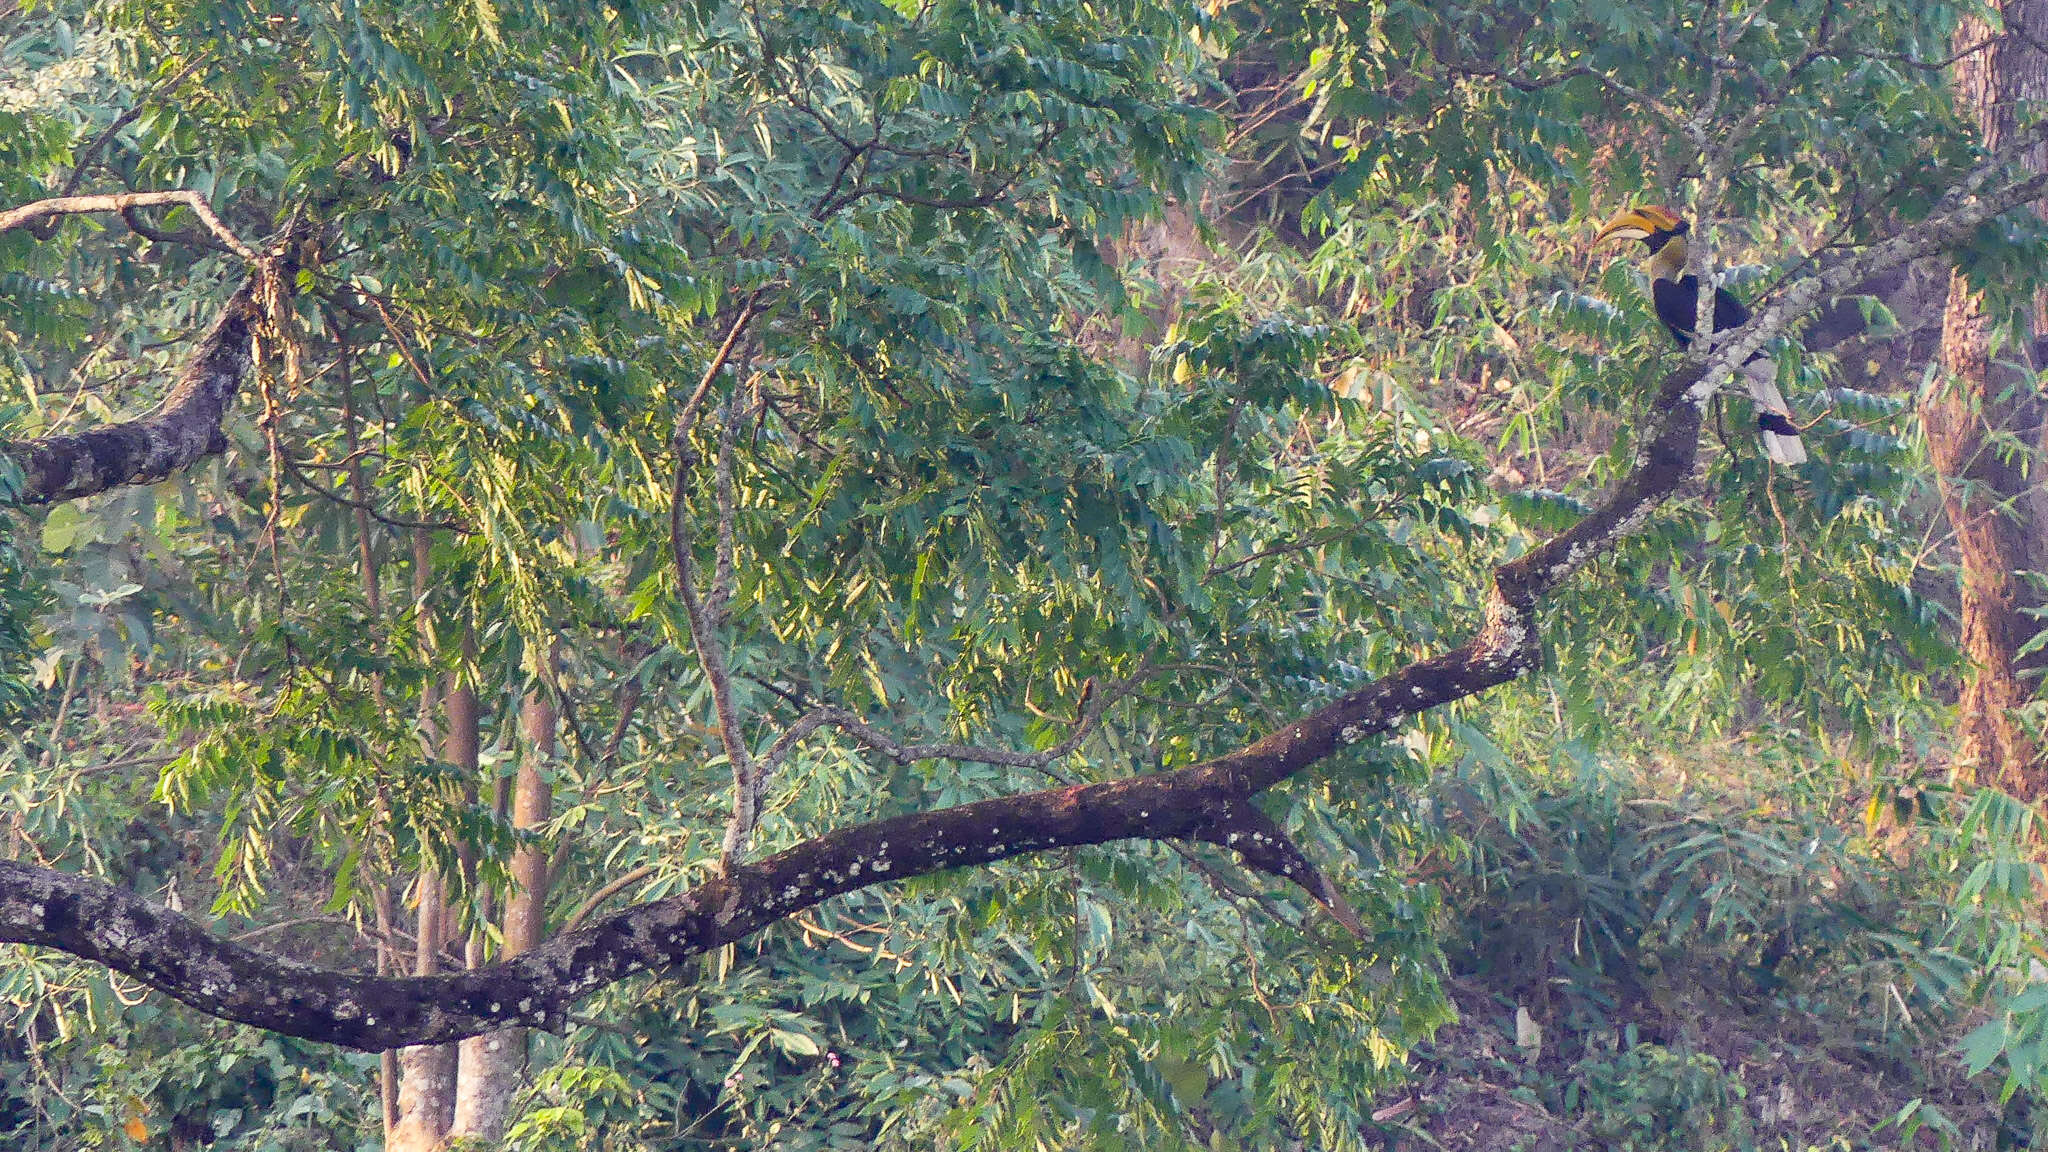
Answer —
489 1065
387 963
426 1073
426 1082
388 1069
1984 433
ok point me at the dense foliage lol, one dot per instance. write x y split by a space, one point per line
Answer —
980 354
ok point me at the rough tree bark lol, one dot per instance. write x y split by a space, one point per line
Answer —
184 428
488 1067
1211 802
187 425
1984 435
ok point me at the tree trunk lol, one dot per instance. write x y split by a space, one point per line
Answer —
489 1065
426 1082
1984 434
387 962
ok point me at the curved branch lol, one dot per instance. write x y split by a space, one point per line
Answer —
126 202
1967 210
176 954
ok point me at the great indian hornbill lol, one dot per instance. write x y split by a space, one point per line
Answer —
1676 296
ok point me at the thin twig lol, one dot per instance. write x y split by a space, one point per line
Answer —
295 922
1227 889
704 621
404 350
719 360
845 720
91 151
603 894
297 471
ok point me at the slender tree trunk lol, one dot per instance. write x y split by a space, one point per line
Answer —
489 1066
389 1073
387 962
426 1082
1984 433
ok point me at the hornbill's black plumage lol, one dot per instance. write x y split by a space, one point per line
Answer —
1676 296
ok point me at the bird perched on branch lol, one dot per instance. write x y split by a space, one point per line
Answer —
1676 296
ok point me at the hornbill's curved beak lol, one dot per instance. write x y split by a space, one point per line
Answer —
1640 224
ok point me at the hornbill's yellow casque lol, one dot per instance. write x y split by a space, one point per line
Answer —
1677 297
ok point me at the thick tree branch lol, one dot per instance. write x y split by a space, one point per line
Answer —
184 428
187 425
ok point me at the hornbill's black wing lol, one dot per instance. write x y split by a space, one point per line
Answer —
1677 303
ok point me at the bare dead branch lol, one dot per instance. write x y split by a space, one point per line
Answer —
14 218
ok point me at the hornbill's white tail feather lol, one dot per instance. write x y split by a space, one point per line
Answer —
1773 415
